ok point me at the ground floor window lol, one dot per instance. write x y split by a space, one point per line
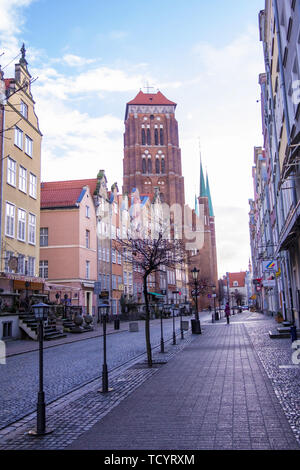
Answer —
114 307
7 329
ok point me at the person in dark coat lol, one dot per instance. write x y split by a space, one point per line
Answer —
227 312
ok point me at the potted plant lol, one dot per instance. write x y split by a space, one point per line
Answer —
279 317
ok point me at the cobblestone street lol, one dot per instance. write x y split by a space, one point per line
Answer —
67 366
223 389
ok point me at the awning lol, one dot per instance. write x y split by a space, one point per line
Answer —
155 293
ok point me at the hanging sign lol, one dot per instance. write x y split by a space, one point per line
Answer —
270 265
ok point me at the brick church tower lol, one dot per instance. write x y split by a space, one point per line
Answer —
152 157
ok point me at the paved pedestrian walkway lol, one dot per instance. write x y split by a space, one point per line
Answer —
213 392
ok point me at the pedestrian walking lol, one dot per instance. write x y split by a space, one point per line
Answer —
227 312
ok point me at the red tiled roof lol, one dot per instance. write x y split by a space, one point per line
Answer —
64 193
151 99
239 277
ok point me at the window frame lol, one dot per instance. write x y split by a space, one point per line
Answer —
13 217
11 173
23 223
19 137
32 185
28 146
22 178
31 229
44 236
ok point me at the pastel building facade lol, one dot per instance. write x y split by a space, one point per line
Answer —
279 26
68 238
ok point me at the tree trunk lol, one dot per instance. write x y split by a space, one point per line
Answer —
147 324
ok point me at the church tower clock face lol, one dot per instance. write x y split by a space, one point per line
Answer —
152 157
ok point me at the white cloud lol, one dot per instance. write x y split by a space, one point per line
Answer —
76 61
227 119
11 22
218 104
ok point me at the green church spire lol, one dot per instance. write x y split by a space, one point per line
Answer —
211 210
202 182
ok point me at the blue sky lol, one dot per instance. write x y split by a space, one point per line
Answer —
92 57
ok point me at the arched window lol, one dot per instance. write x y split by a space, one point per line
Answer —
161 131
148 136
156 136
144 165
149 165
143 137
163 167
157 169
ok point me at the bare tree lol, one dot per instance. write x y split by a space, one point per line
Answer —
200 287
151 254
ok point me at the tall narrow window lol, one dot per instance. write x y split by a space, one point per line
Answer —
31 266
148 136
10 220
8 255
24 109
143 137
28 145
22 179
149 165
87 269
21 264
11 171
156 136
19 138
157 166
31 228
161 131
32 185
87 239
21 225
44 236
163 168
43 271
144 165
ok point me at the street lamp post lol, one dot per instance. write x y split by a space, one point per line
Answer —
162 344
104 309
41 314
196 327
182 310
214 296
174 335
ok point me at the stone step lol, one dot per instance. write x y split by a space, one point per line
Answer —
284 333
286 330
54 336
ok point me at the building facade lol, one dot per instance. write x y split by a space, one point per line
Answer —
279 25
152 164
20 176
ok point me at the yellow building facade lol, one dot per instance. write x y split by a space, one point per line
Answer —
20 176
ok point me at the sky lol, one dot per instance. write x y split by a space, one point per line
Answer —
91 57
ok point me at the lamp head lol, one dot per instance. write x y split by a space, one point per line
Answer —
195 273
40 311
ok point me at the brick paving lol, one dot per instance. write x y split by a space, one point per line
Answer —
214 393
